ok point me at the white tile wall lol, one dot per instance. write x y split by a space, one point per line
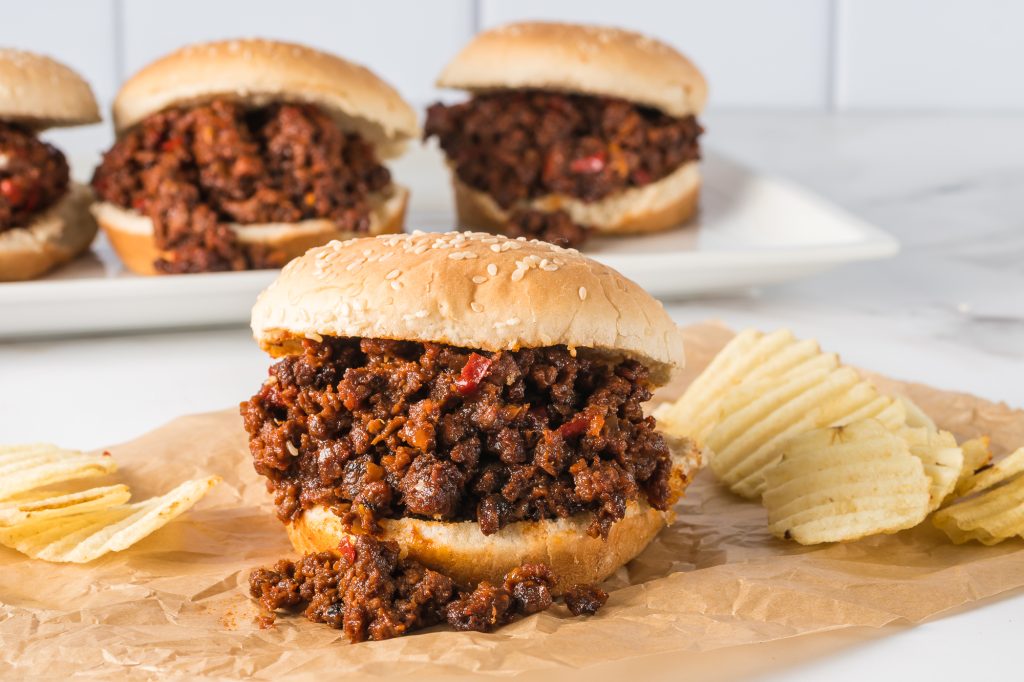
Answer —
928 54
784 54
753 53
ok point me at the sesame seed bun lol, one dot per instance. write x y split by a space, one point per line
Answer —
590 60
43 93
461 551
661 205
469 290
55 236
257 72
131 233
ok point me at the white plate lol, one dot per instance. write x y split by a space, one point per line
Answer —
751 230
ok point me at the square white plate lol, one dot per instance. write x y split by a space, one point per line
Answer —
751 230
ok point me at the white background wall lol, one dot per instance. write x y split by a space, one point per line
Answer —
819 55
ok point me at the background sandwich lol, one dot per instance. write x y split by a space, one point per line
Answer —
245 153
44 217
571 127
477 399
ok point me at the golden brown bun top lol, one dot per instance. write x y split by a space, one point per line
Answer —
592 60
256 72
43 93
465 289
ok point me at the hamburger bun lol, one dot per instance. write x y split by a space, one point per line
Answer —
256 71
55 236
590 60
439 288
40 92
131 233
660 205
493 293
458 548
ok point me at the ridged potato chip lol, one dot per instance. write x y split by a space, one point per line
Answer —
990 517
1003 470
752 436
942 459
844 483
751 355
81 538
38 505
976 455
916 417
27 467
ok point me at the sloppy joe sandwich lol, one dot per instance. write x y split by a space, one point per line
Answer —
475 398
571 129
243 154
44 217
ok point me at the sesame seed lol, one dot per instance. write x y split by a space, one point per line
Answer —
518 275
492 269
583 293
476 307
396 285
497 248
393 274
420 250
479 279
313 336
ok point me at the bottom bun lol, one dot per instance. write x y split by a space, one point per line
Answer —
661 205
460 550
56 236
131 233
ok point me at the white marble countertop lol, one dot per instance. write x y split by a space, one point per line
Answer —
948 311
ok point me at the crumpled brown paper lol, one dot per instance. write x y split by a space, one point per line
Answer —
176 604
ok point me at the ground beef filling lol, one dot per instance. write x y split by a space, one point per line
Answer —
33 176
518 145
555 227
193 170
388 429
370 593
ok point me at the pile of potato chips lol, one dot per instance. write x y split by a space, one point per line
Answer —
45 521
830 457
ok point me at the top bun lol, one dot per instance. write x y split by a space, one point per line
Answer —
465 289
257 72
43 93
590 60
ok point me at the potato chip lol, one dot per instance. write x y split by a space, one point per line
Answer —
976 455
81 538
941 457
750 356
751 437
48 504
991 517
26 467
916 417
1007 467
845 483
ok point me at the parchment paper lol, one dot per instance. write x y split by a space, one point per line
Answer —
177 605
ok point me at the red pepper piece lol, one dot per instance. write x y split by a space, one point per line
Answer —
346 550
473 372
589 165
171 144
11 191
574 427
